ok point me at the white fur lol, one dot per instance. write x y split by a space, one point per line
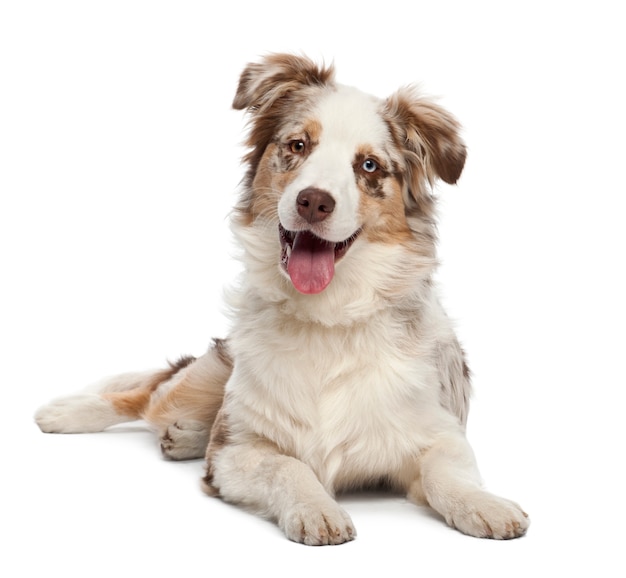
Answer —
80 413
352 385
361 383
89 411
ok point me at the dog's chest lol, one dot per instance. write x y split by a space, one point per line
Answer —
346 399
370 419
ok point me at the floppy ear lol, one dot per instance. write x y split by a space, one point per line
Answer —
270 90
429 138
262 84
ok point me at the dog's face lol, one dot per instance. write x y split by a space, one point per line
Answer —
337 167
335 171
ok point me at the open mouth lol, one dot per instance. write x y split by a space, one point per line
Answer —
309 260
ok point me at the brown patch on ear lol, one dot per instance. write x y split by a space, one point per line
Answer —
276 75
428 136
273 91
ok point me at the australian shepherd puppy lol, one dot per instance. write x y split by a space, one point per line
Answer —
342 370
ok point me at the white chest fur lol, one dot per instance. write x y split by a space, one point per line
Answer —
355 403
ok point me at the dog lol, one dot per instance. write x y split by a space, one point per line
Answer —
341 371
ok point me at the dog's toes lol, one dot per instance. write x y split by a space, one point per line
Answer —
184 440
489 516
318 526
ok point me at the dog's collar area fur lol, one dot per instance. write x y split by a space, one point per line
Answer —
310 260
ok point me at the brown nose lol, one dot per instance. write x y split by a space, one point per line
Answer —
314 205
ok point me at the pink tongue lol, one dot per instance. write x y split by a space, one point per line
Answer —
311 263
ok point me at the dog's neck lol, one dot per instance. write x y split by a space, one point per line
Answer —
361 289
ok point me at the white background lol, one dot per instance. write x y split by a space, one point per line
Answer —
118 164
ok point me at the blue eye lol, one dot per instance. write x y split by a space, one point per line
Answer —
369 166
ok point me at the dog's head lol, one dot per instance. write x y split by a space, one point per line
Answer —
337 167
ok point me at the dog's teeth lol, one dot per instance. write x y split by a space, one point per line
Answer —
284 257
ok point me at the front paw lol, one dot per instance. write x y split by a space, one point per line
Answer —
318 526
485 515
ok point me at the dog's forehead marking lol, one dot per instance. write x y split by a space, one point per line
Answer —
352 117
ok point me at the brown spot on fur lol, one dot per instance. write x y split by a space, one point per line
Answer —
313 130
384 218
182 362
221 348
131 403
466 370
134 402
372 183
265 191
455 379
198 392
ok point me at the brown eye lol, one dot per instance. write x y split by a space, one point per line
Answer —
297 147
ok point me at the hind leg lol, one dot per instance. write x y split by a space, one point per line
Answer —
183 411
180 403
115 400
